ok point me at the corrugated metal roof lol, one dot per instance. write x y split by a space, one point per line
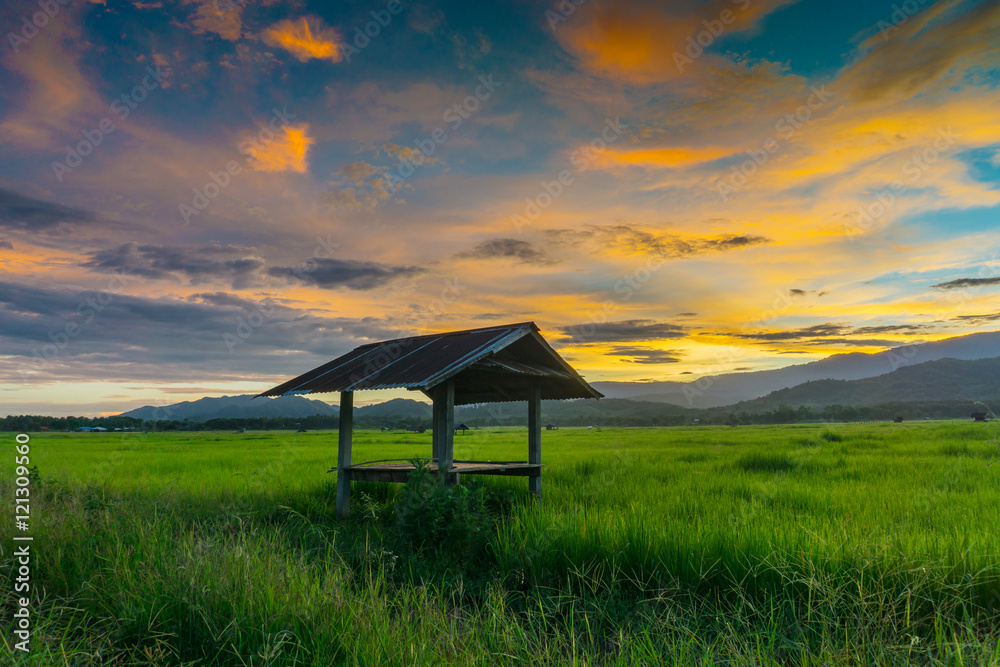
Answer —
421 362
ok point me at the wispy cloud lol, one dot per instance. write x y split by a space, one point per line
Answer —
240 267
835 333
360 184
902 60
305 38
620 332
221 17
162 339
26 213
333 273
961 283
506 248
633 240
643 355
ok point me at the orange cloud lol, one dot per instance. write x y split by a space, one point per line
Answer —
644 43
57 94
305 38
934 48
288 151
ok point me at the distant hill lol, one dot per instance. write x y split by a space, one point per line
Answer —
240 407
566 412
397 407
941 380
730 388
933 381
246 407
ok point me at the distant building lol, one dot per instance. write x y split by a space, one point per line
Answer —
461 428
979 416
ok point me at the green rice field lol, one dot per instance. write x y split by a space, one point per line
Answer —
856 544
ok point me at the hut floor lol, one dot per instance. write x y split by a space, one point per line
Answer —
398 470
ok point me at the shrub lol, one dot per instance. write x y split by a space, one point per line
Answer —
453 522
831 436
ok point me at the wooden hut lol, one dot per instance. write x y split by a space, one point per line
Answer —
488 365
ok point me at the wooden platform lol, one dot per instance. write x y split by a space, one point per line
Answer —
398 470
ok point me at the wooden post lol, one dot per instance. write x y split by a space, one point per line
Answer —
535 438
345 428
437 423
446 445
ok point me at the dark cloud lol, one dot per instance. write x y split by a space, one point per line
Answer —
904 329
626 331
967 282
24 213
4 243
854 342
239 266
728 242
63 334
667 246
641 355
348 273
687 314
977 319
795 292
797 334
508 248
837 334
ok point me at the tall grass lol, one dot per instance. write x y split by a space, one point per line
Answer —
713 546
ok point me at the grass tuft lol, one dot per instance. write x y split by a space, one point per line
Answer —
767 462
831 436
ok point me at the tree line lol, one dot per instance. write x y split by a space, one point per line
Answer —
649 414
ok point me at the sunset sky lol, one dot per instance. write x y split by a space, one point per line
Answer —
210 197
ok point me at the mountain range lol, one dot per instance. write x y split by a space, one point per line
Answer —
243 406
964 368
941 380
729 388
